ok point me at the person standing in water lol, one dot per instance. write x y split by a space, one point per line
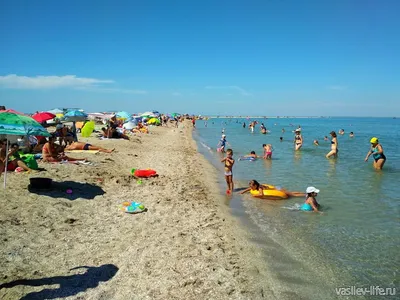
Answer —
229 162
298 140
267 151
244 125
377 153
334 146
222 143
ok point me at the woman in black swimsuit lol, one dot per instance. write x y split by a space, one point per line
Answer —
298 140
334 146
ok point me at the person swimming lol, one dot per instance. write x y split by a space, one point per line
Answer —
281 139
316 143
377 153
254 185
311 203
351 134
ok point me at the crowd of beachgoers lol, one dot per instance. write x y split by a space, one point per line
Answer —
271 192
22 153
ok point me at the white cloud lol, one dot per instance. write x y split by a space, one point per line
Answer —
176 94
14 81
231 87
336 87
112 90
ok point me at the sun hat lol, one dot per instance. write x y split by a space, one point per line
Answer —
374 140
312 189
223 135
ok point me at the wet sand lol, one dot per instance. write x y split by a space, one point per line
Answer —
186 246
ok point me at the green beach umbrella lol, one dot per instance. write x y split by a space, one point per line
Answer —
15 124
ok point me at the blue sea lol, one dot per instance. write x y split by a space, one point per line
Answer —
356 241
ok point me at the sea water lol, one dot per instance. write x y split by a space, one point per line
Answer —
356 241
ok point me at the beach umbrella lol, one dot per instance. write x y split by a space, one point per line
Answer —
123 115
56 111
88 128
153 121
129 125
148 114
43 116
74 116
11 111
15 124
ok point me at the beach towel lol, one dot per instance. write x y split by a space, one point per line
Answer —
82 151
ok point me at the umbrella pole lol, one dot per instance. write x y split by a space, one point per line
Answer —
5 167
74 132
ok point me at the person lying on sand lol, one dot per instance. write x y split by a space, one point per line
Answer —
51 153
255 186
84 146
13 160
112 133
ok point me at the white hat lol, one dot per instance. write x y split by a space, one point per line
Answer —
59 126
223 135
312 189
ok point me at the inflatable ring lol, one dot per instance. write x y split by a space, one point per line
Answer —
271 192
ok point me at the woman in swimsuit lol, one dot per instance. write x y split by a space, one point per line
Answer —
311 203
13 160
377 154
298 140
84 146
51 153
334 146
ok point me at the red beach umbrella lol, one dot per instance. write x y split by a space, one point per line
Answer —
11 111
43 116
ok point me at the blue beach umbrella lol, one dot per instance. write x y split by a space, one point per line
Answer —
123 115
74 116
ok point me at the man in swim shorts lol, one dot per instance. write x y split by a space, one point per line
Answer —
83 146
229 162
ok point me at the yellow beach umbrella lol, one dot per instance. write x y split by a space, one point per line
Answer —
87 129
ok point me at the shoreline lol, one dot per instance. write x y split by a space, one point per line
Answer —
186 246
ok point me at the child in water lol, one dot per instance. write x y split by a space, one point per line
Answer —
267 151
221 144
229 162
311 203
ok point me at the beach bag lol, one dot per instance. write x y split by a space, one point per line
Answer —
30 161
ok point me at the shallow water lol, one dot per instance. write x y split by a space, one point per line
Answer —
356 241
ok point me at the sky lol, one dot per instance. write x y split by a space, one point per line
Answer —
265 57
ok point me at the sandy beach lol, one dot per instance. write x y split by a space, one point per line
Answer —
186 246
